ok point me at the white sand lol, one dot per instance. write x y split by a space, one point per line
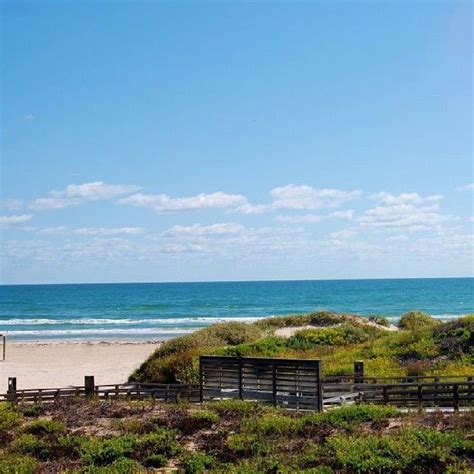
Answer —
55 365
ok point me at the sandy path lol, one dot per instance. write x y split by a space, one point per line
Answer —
63 364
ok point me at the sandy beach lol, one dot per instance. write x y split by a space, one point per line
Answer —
49 365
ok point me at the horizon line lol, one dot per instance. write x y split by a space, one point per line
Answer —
237 281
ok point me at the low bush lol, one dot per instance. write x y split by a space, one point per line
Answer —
205 418
271 425
9 417
196 463
30 444
44 427
17 464
416 320
246 444
456 338
411 450
352 416
162 441
336 336
103 452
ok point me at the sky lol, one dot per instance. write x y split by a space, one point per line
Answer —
189 141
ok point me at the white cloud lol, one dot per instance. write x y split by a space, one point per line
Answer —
7 221
308 198
468 187
198 229
248 208
91 231
342 234
11 204
403 215
313 218
76 194
405 198
165 203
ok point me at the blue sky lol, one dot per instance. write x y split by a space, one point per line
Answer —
223 141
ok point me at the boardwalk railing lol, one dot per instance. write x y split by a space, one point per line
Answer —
158 392
292 383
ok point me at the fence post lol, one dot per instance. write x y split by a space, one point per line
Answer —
11 391
359 371
4 350
240 379
201 381
455 397
420 396
319 370
89 385
385 394
274 384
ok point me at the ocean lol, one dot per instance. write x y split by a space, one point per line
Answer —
157 311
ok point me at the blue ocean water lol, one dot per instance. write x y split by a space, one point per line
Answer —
156 311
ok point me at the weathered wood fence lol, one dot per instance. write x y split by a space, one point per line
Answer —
292 383
137 391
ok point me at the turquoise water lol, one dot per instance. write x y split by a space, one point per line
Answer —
155 311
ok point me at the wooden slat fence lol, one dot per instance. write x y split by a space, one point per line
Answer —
292 383
137 391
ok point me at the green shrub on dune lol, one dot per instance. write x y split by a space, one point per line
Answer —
424 346
417 320
177 360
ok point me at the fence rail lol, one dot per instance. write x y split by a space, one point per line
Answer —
291 383
158 392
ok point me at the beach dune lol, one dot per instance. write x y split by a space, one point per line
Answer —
54 365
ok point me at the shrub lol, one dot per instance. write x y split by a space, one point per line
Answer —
29 444
17 464
44 427
9 417
198 462
246 444
162 441
105 452
337 336
456 338
32 411
132 425
417 320
413 450
271 424
205 417
177 359
352 416
267 347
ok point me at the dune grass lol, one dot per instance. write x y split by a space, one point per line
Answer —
421 346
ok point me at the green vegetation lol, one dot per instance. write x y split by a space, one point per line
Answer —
232 436
421 346
235 436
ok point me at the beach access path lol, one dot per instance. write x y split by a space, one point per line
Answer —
61 364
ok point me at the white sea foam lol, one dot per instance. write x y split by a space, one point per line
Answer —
98 332
105 321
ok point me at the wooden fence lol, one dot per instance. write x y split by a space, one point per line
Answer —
137 391
292 383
